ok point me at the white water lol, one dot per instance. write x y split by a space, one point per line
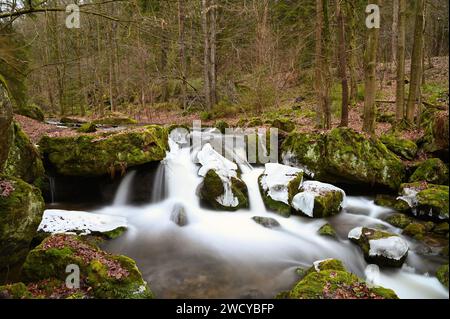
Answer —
227 254
124 190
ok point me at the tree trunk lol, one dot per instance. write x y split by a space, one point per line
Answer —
416 62
6 115
350 13
212 43
394 36
182 47
206 55
401 38
342 65
370 61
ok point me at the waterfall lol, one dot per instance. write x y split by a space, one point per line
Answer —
123 191
159 189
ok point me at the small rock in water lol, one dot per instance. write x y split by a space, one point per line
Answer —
266 221
179 216
327 230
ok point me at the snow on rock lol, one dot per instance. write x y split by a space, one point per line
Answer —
304 201
225 169
392 247
355 233
317 263
275 180
82 223
409 195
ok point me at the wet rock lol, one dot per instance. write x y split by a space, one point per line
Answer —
415 230
106 276
379 247
392 202
426 199
278 185
399 220
327 230
402 147
344 155
266 221
318 200
328 279
21 208
432 170
106 154
32 111
442 275
179 216
87 128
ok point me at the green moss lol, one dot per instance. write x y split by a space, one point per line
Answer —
32 111
332 281
392 202
442 275
100 155
266 221
328 204
432 170
402 147
23 160
399 220
278 207
434 201
15 291
327 230
20 214
294 186
283 124
115 121
415 230
115 233
87 128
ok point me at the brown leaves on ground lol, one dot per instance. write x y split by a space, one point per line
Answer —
87 253
358 290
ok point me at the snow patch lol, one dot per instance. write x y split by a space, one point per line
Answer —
275 180
83 223
392 247
409 195
355 233
317 263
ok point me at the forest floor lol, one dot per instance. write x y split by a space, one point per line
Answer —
435 91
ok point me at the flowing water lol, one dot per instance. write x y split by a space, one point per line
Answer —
227 255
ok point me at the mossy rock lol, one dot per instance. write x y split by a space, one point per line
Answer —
386 117
415 230
399 220
427 199
21 209
43 289
114 121
283 124
109 276
329 279
442 275
402 147
221 126
212 187
392 202
432 170
436 135
69 120
105 154
344 156
32 111
380 247
87 128
24 160
327 230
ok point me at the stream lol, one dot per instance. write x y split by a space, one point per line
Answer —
228 255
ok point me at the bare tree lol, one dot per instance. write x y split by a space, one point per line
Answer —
400 59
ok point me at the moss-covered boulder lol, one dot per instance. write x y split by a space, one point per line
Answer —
283 124
327 230
402 147
21 208
379 247
328 279
278 185
436 136
96 155
24 160
442 275
399 220
317 200
426 199
432 170
344 156
43 289
108 276
32 111
87 128
114 121
392 202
